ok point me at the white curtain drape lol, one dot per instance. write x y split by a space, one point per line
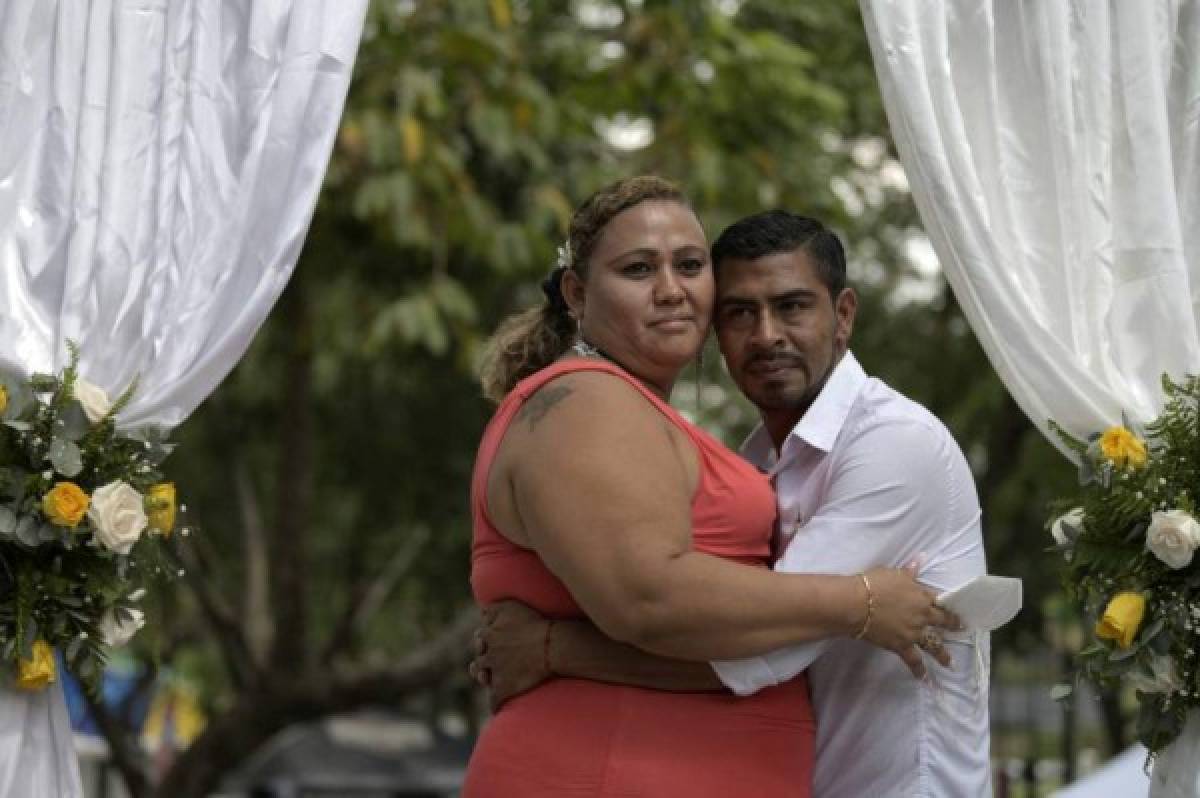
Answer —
159 164
1053 150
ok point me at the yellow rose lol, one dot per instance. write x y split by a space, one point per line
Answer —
1123 448
160 507
36 673
65 504
3 398
1122 617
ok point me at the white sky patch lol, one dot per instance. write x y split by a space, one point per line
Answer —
892 174
728 7
768 194
625 132
593 14
704 71
844 190
868 151
923 286
612 50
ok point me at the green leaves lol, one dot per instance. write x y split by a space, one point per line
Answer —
65 457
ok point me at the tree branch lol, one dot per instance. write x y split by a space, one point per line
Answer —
256 606
257 715
365 602
219 616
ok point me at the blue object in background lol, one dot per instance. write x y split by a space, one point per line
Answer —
116 685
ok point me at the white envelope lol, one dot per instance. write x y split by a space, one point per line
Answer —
984 603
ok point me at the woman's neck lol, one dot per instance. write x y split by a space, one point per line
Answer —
660 389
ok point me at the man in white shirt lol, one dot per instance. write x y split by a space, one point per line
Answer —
864 477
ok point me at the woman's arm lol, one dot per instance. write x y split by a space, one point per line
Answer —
600 485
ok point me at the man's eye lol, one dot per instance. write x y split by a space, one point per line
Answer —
636 268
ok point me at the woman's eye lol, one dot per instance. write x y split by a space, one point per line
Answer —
691 266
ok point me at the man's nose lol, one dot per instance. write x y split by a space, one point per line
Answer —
767 331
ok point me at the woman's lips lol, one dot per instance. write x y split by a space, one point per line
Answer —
674 323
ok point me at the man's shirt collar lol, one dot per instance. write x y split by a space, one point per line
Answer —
820 424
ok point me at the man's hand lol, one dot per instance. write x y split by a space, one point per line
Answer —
511 655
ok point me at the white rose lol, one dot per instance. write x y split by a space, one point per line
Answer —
118 514
95 401
1173 537
1163 676
117 633
1071 518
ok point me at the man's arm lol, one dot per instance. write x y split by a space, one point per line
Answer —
518 649
899 496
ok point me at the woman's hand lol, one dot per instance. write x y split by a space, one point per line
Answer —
511 654
904 617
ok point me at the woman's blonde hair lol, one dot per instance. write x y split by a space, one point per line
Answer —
529 341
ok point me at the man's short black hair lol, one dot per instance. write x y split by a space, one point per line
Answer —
777 231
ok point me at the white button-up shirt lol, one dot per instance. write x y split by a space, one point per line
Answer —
869 477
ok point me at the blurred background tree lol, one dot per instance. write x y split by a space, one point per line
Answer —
329 475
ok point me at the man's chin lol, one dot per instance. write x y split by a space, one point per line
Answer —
775 397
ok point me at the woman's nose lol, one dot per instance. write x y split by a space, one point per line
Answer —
667 287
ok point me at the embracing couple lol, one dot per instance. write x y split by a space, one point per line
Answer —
654 651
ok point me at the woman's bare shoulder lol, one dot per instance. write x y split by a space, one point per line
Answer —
602 398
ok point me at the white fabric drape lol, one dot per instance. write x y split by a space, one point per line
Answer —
1053 150
159 164
37 753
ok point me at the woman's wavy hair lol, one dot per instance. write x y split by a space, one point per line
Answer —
529 341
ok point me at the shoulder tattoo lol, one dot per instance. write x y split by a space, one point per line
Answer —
542 402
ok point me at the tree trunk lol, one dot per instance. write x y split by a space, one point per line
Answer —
287 537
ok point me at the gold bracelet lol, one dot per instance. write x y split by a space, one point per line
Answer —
870 607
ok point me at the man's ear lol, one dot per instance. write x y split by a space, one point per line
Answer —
574 293
844 310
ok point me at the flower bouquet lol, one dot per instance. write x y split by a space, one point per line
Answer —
1129 545
84 519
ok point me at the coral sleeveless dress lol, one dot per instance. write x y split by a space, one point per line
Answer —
571 737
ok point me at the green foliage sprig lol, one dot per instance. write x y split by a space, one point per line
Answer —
1128 545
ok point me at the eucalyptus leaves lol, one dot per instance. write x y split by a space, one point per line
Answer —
84 521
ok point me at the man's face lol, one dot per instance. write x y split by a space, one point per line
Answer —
779 329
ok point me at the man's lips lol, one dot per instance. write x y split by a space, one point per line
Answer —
772 365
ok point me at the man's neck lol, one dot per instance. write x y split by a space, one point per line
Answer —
780 423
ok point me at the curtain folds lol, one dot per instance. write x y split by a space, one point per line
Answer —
1053 151
160 161
159 164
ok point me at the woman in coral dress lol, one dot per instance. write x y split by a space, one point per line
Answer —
593 498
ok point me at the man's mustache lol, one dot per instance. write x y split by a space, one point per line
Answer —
772 358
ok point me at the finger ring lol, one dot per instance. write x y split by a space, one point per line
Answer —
931 639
